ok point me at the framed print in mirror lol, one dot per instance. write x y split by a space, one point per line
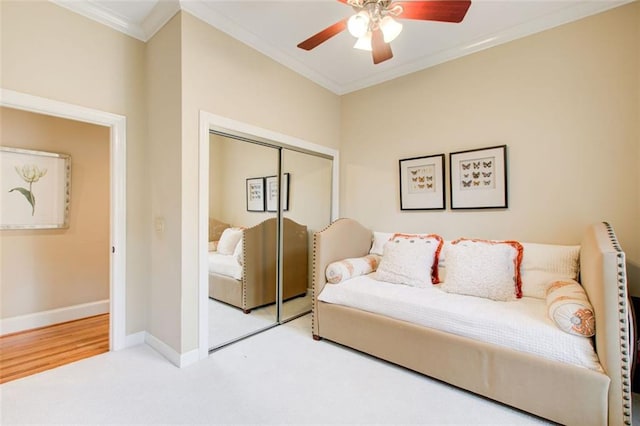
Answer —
422 183
272 192
35 189
255 194
478 178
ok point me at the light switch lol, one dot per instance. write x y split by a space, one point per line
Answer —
159 224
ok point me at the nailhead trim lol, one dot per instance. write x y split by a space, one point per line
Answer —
623 317
313 271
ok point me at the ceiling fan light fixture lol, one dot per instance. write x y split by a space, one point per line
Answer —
358 24
390 28
364 43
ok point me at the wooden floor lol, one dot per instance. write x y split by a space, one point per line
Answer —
32 351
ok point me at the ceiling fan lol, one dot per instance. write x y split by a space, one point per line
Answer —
375 27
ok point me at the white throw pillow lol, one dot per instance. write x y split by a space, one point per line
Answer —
568 306
237 252
410 259
442 262
379 240
543 264
229 240
348 268
482 268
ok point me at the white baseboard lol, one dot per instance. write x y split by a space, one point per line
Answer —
179 360
134 339
53 316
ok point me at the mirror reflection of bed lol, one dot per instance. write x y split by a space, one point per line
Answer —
242 275
244 237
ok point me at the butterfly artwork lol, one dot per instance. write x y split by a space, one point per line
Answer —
429 185
478 178
419 176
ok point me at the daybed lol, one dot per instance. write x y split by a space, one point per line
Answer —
553 389
248 279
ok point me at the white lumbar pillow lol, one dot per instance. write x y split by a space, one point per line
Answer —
379 240
543 264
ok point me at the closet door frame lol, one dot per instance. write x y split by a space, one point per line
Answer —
212 123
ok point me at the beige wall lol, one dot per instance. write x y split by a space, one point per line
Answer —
51 52
57 268
309 190
231 162
222 76
164 114
236 161
566 103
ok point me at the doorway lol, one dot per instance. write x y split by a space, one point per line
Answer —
117 190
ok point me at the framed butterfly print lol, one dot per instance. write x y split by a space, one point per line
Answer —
422 183
478 178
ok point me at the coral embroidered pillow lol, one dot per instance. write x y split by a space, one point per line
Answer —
379 240
568 306
489 269
543 264
348 268
411 260
229 240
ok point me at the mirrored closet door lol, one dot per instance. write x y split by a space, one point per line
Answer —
306 207
243 240
265 203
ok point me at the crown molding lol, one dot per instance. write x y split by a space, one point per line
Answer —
574 12
160 15
166 9
200 10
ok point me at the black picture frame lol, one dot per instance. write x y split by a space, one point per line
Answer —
255 194
422 183
271 191
478 178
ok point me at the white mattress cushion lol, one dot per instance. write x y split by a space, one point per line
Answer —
225 264
522 325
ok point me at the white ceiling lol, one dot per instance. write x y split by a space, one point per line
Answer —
276 27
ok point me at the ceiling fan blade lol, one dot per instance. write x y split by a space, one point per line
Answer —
323 35
437 10
380 50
